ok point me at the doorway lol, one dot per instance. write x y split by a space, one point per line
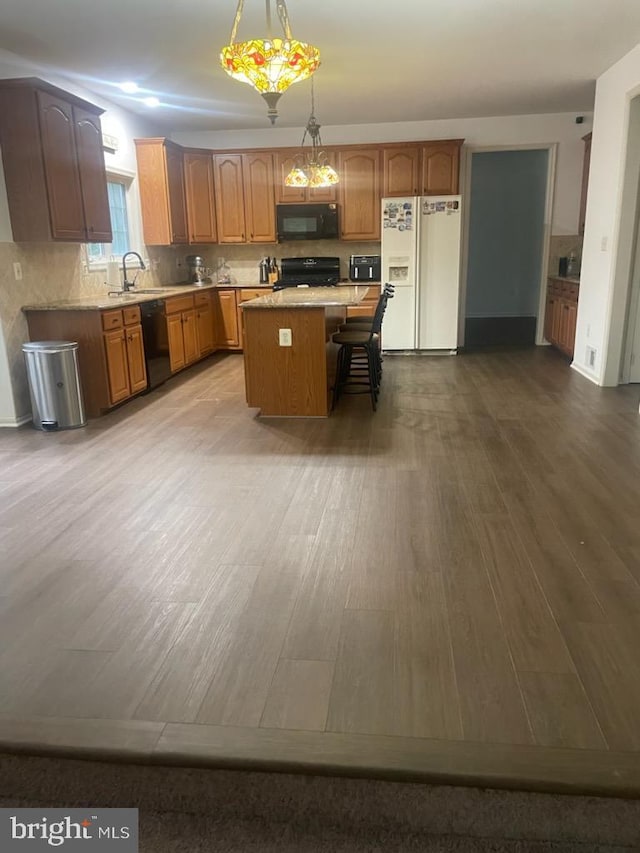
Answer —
506 246
630 248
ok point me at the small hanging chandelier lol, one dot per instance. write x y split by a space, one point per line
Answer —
270 65
317 172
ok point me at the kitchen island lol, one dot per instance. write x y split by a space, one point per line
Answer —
289 357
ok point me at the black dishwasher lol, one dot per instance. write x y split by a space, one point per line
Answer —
156 342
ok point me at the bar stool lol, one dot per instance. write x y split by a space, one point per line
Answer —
366 319
363 324
365 377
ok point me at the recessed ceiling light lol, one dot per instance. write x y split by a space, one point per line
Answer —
151 102
129 87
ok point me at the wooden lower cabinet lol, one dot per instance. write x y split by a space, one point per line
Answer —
368 305
116 354
110 351
182 332
205 324
561 314
226 320
126 368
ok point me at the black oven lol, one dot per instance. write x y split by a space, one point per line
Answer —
307 222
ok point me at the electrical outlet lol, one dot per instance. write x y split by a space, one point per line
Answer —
591 357
603 244
284 337
17 271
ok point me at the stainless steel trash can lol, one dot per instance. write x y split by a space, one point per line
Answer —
54 384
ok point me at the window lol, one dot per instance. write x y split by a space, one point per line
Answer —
99 253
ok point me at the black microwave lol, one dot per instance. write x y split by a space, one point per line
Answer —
307 222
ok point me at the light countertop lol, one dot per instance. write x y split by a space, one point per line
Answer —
571 280
340 296
101 301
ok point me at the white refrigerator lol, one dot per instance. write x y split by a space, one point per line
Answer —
421 258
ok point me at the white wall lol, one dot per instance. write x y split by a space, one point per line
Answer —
476 132
606 250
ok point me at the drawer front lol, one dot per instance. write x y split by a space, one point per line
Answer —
178 303
365 309
201 299
131 315
111 320
572 292
246 294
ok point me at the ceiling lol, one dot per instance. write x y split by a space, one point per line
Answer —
381 62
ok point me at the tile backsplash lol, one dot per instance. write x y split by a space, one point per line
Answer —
243 260
561 247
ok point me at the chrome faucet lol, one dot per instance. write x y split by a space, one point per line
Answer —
127 285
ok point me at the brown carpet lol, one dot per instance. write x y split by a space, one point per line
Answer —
189 810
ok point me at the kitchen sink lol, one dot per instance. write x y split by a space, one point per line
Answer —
133 294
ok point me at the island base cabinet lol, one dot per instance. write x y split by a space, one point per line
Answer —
292 381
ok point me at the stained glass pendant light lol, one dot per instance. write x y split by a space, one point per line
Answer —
269 64
316 172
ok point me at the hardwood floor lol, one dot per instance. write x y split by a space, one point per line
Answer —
449 587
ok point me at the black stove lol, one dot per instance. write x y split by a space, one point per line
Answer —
308 272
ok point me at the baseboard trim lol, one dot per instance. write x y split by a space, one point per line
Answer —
15 422
584 372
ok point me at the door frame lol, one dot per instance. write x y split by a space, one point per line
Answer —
552 150
631 331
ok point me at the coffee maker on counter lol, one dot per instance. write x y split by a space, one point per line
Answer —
198 272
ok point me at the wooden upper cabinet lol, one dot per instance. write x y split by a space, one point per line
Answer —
162 191
227 169
321 194
93 183
177 197
61 167
201 205
441 167
54 165
260 212
285 160
401 171
585 182
359 192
